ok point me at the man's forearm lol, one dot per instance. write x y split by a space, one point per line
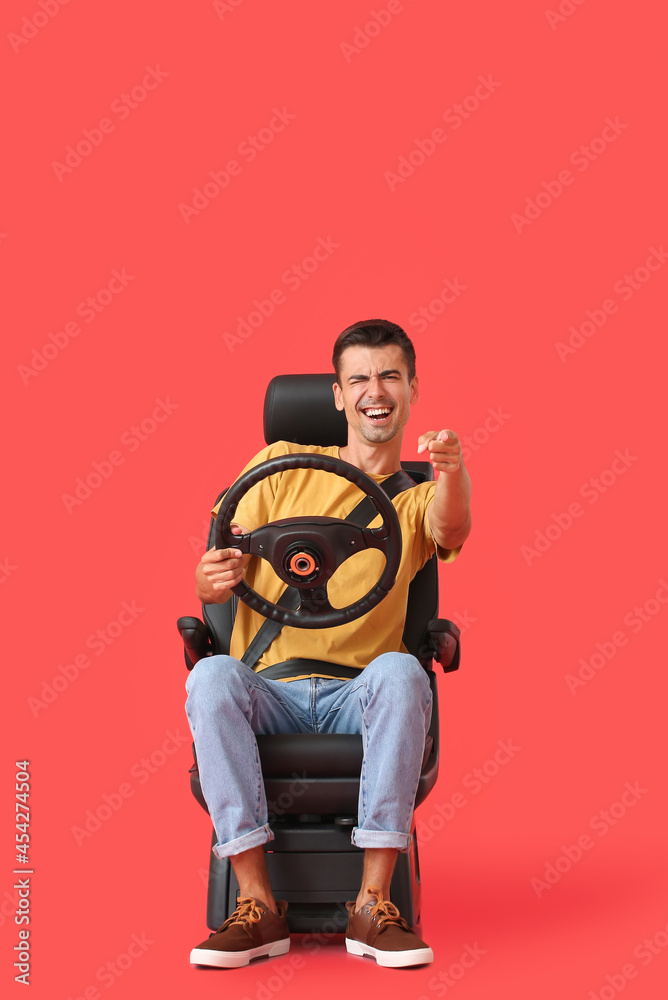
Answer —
450 510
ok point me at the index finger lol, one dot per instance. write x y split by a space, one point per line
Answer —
217 555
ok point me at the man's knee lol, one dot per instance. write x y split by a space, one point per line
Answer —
400 671
216 678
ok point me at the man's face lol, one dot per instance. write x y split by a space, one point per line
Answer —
375 392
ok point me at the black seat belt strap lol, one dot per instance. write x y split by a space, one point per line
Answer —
362 515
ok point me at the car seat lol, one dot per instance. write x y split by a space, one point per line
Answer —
312 780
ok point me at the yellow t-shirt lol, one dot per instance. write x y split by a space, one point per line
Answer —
301 492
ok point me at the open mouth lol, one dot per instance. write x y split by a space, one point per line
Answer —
377 414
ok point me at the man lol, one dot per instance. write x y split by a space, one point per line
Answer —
228 703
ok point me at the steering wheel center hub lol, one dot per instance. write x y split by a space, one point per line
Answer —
301 563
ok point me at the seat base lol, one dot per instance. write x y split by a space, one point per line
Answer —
315 868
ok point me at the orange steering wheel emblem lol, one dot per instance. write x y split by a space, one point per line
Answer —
302 564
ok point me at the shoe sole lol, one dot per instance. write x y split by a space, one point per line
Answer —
391 959
237 959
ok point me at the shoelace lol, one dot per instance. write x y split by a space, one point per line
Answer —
384 912
247 912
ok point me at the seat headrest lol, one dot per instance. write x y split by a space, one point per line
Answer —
300 408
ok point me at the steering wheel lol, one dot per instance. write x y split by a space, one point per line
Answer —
305 551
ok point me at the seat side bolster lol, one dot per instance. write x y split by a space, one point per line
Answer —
196 639
444 639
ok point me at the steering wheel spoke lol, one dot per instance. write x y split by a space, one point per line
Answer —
314 600
377 538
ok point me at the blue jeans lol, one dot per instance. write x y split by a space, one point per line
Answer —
388 703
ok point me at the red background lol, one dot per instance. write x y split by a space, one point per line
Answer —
529 619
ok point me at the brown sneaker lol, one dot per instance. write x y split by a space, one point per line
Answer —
251 931
379 931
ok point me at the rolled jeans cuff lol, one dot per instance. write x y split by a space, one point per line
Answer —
381 838
262 835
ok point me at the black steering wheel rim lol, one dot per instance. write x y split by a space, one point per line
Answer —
387 538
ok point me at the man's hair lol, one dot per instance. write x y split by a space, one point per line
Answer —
374 333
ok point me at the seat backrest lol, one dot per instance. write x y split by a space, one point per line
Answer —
300 409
